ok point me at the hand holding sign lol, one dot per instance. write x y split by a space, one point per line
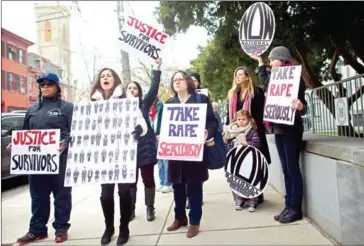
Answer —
8 148
158 63
258 58
297 104
62 146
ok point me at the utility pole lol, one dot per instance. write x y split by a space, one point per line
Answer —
125 66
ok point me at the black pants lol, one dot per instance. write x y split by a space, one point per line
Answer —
288 147
41 186
147 173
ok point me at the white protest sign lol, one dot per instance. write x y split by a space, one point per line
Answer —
35 152
141 40
341 111
102 148
182 135
257 28
247 171
282 89
203 91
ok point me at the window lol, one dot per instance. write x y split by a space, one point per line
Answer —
17 83
3 80
21 56
3 49
23 85
47 32
10 81
12 53
11 123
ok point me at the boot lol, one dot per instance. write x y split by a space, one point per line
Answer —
108 210
125 215
284 211
192 231
177 224
149 202
133 194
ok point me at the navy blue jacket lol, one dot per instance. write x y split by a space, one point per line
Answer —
147 149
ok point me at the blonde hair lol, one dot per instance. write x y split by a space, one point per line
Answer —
234 86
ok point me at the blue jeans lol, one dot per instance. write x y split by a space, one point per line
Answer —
41 186
163 172
288 147
194 192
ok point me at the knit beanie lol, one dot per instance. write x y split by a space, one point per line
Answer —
280 53
197 76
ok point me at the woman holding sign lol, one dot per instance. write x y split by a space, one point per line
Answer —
147 149
245 95
189 175
50 112
108 85
288 139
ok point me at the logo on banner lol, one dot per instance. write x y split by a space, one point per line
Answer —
247 171
341 111
257 28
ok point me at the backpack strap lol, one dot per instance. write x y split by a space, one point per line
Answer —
198 98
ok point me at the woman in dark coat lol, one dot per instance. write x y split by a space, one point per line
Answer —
189 175
244 94
147 149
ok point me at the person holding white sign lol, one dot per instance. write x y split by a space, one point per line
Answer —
189 175
108 85
147 149
288 138
50 112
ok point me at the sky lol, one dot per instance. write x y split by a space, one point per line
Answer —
94 31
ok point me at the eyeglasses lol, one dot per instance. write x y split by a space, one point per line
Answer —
178 80
46 84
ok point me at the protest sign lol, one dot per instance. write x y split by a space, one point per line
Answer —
247 171
35 152
182 133
141 40
257 28
203 91
102 148
282 89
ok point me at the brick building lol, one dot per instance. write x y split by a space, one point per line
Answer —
14 71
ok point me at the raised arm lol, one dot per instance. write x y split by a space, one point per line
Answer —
153 91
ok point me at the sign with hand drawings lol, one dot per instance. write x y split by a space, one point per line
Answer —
35 152
182 135
102 149
247 171
257 28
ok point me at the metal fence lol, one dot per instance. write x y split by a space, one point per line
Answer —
336 109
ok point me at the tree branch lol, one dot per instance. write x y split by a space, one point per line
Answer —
356 95
349 59
308 73
332 68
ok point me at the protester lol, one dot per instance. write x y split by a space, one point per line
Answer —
242 131
147 150
189 175
108 86
165 185
39 116
288 139
244 94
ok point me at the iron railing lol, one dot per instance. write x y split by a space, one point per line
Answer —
327 116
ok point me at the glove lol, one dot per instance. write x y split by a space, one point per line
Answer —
137 132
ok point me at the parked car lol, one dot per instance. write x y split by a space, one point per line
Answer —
9 122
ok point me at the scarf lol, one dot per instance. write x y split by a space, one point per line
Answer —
152 113
116 94
237 132
233 105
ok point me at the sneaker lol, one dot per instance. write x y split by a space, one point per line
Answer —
61 236
160 188
166 189
251 208
30 238
239 204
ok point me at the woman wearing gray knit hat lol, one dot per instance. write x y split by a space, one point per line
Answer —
288 139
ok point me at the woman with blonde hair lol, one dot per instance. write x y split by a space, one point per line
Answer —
245 95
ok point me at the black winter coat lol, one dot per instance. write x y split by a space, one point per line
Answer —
257 108
191 171
147 148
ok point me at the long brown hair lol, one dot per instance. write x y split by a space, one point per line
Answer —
97 86
245 113
234 87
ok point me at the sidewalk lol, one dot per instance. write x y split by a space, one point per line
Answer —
220 224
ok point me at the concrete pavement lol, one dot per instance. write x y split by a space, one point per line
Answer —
220 225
